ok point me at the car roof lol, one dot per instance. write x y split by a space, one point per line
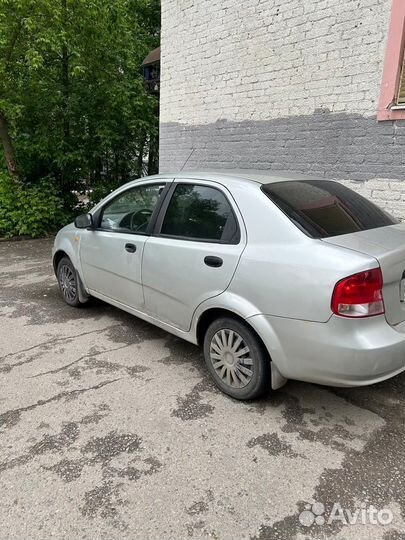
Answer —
227 175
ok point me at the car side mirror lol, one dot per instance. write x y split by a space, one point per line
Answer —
84 221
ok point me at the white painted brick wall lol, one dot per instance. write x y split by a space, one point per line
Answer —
388 194
264 59
269 60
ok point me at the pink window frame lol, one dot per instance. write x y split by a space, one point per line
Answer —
393 64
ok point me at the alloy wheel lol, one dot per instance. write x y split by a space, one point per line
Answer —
67 281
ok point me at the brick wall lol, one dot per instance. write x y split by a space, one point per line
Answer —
286 85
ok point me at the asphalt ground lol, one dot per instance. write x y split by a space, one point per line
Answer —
111 428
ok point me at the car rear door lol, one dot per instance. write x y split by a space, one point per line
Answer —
111 254
194 252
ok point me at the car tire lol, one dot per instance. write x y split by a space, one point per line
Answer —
236 358
68 282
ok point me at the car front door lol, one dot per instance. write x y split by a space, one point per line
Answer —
194 251
111 254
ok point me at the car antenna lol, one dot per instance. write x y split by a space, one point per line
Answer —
188 159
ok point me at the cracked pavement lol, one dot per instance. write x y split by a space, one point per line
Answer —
111 428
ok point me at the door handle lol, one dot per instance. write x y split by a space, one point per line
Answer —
131 248
215 262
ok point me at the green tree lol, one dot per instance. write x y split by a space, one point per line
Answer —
73 106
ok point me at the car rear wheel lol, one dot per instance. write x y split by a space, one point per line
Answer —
68 282
236 359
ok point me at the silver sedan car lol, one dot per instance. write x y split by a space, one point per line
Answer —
276 276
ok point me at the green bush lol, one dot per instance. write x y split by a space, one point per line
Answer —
30 210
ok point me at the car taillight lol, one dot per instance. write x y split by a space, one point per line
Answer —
359 295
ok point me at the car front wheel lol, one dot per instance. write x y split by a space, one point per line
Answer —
68 282
236 359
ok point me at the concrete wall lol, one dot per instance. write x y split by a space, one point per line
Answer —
286 85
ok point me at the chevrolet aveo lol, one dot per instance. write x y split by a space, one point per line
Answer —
276 276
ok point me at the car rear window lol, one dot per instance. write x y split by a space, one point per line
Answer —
322 208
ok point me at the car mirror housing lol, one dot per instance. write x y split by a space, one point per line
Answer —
84 221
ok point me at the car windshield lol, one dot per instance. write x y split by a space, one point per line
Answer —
322 208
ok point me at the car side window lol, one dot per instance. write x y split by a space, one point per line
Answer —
131 211
200 213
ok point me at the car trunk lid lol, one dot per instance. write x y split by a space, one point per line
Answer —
387 246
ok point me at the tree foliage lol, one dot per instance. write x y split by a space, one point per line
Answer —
30 210
72 99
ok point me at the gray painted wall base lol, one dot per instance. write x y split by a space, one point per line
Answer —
341 146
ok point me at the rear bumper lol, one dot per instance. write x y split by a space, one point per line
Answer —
340 352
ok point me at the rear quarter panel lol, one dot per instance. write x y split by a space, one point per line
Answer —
283 272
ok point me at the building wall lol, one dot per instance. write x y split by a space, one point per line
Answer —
288 85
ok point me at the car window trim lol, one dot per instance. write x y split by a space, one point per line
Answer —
164 207
193 239
97 216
